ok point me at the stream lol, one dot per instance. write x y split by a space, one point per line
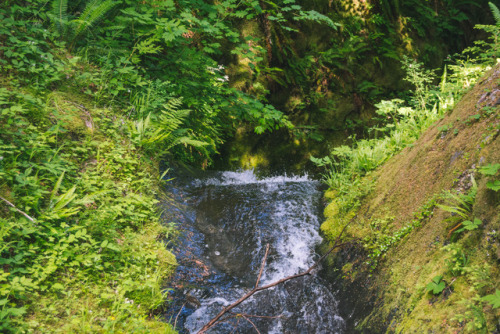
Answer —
226 219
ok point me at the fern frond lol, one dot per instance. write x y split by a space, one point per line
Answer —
148 46
166 130
462 212
191 142
92 13
496 13
173 104
56 188
172 117
95 52
59 15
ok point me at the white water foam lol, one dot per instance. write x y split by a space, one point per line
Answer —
291 226
248 177
203 315
210 307
297 232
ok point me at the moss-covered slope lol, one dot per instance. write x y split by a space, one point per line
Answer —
408 195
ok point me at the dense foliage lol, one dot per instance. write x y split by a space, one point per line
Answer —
90 91
93 93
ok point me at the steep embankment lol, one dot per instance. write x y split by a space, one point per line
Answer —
81 241
435 252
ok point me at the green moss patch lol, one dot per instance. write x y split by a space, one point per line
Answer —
431 238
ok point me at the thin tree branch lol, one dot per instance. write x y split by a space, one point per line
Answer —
262 266
236 326
216 320
251 322
21 212
182 307
225 319
259 316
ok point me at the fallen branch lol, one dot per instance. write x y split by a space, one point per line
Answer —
21 212
251 322
182 307
217 319
262 266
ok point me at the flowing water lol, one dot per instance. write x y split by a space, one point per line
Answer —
227 219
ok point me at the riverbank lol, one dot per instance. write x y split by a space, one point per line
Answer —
428 224
83 243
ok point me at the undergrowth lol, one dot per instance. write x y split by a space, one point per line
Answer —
402 122
82 247
460 261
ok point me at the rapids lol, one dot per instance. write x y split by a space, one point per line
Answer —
227 218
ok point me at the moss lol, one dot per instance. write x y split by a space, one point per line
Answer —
333 225
405 185
253 161
332 209
330 194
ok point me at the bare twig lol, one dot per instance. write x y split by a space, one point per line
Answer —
262 266
236 326
21 212
234 315
182 307
217 319
251 322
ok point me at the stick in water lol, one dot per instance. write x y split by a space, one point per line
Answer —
217 319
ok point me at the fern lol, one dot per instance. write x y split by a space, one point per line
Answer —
72 30
160 133
391 9
93 12
460 204
59 15
94 52
172 116
496 13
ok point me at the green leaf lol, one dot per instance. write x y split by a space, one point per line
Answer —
469 225
57 286
113 247
65 199
493 299
56 187
490 169
436 286
496 13
15 312
493 185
